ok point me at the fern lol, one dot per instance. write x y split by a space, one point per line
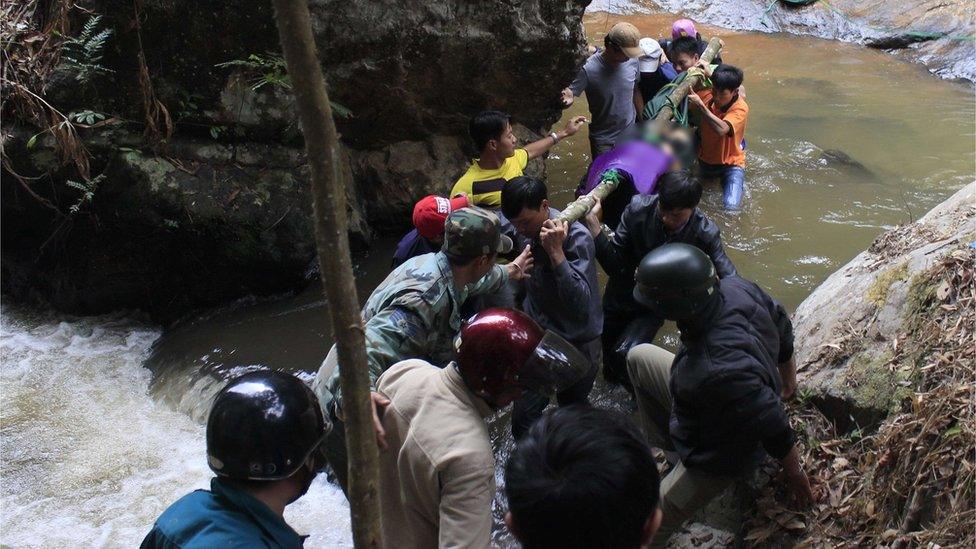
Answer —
87 188
82 55
270 70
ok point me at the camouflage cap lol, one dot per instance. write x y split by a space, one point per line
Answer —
470 232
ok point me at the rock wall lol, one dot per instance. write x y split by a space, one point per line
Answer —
937 34
849 329
219 209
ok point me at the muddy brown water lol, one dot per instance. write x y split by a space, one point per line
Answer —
843 142
841 145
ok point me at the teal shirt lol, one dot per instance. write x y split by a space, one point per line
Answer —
220 517
414 313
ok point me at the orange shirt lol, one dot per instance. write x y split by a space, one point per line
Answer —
723 149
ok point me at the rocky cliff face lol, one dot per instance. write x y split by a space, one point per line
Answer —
218 209
935 33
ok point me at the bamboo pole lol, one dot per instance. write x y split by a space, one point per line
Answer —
610 179
335 263
682 91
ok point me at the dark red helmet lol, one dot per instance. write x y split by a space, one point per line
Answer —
503 351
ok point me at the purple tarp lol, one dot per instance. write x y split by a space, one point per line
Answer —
643 161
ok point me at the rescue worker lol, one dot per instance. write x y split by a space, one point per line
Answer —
716 407
563 294
263 437
647 223
610 81
561 493
437 478
416 311
429 214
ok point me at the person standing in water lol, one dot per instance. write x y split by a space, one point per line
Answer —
724 113
263 437
686 27
610 81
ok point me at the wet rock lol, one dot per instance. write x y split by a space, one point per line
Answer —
219 209
410 74
849 329
839 159
935 33
201 226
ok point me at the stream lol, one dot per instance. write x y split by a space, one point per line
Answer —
841 145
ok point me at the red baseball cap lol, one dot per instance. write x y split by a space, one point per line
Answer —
430 212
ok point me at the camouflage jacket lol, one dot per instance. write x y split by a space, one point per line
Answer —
414 313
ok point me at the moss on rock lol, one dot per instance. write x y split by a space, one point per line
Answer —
881 287
874 383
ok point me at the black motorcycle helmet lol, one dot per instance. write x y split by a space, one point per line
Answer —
263 426
676 280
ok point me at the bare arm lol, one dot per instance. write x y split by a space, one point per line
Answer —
717 124
536 148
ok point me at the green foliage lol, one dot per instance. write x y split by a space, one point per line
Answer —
87 188
217 131
86 117
269 69
82 55
188 105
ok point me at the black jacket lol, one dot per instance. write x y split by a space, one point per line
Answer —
640 231
725 383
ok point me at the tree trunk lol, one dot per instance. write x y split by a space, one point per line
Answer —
335 263
578 209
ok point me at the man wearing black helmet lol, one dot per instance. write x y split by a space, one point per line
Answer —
263 437
647 223
715 408
437 477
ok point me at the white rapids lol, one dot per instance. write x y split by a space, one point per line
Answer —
88 459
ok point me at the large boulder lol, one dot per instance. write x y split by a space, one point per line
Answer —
219 209
848 331
935 33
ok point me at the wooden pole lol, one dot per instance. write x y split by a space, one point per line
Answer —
335 263
679 93
610 179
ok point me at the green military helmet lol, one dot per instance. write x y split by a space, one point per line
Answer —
676 280
472 232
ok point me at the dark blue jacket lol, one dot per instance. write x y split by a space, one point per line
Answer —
651 82
412 245
565 299
220 517
725 383
640 231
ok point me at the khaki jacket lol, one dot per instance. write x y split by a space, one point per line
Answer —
437 478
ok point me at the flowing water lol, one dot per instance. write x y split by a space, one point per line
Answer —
842 143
